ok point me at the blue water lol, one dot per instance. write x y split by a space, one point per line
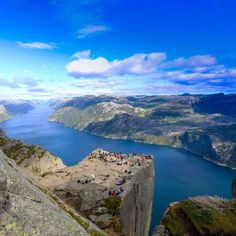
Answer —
178 173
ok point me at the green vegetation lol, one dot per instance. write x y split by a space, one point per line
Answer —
31 151
46 173
36 169
113 204
41 154
117 225
201 217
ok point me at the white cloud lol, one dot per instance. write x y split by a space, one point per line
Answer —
9 84
37 45
31 82
194 61
91 29
138 64
82 54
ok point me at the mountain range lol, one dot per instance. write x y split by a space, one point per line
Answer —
202 124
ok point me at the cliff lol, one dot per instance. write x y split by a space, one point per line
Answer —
136 209
32 158
202 124
106 188
113 190
26 210
199 216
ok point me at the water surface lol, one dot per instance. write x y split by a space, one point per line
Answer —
178 173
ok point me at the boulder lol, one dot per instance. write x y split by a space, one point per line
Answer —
103 221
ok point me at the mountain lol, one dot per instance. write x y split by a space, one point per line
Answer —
10 108
14 107
3 114
199 216
202 124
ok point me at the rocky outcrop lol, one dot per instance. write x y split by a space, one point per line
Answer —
26 210
31 157
113 190
199 216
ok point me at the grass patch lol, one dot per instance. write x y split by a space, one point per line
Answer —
113 204
202 218
117 225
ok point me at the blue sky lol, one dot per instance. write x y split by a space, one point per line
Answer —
54 48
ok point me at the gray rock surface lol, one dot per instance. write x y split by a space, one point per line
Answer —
26 210
103 221
136 207
111 183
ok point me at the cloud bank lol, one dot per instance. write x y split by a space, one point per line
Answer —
37 45
138 64
198 69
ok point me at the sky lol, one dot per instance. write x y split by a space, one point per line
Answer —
58 48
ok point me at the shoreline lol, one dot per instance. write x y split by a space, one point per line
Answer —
137 141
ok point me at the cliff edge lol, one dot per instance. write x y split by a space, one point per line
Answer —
113 190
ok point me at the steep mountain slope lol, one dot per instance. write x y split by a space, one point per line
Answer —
26 210
203 124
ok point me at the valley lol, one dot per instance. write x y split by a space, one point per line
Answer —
202 124
173 167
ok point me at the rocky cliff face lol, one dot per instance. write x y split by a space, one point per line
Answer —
108 192
136 207
113 190
26 210
199 216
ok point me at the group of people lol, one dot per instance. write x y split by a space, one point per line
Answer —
120 159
